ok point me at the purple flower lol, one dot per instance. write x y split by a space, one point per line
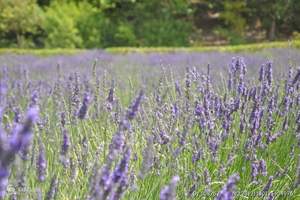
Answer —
84 107
111 97
263 167
52 192
164 138
4 174
34 99
268 185
63 119
17 117
262 72
122 169
197 156
24 136
297 77
169 191
269 73
65 143
227 192
134 106
41 163
271 196
254 170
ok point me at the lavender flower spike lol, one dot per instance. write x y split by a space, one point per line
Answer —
169 191
135 106
19 140
122 168
24 136
227 191
52 189
84 108
41 163
4 174
65 143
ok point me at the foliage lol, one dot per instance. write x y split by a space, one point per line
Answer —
20 20
60 26
110 23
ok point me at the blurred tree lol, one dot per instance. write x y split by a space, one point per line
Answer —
273 14
104 23
43 3
20 20
61 25
152 23
232 15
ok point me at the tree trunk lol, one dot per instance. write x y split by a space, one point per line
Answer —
272 31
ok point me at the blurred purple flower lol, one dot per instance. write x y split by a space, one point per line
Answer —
169 191
227 192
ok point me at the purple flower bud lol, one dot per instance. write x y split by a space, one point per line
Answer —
41 163
4 174
262 73
134 106
24 136
227 192
17 117
118 141
271 196
197 156
120 189
63 119
297 77
274 137
169 191
164 137
84 108
175 110
52 192
122 169
269 73
254 171
213 146
65 143
34 99
111 97
268 185
263 167
191 191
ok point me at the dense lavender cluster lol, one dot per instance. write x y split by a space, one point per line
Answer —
166 133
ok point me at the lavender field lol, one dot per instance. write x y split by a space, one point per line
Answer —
185 125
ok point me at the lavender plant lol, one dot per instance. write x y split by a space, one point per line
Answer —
129 125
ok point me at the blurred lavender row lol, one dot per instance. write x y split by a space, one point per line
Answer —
148 64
